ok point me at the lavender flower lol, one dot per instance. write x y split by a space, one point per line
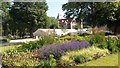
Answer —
59 49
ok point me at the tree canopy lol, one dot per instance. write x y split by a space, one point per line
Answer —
95 13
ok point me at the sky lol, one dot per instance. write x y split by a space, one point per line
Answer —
55 7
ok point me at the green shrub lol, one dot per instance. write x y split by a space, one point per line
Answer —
82 55
43 41
97 38
29 46
51 63
66 60
80 38
100 41
79 59
12 37
113 44
47 39
5 40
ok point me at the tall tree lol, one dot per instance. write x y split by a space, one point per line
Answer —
5 17
95 13
54 22
29 15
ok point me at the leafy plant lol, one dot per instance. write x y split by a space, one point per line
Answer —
5 40
13 37
79 59
51 63
29 46
113 44
15 58
47 39
43 41
97 38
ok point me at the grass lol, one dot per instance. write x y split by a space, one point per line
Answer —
111 60
5 48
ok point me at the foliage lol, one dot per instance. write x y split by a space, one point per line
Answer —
96 13
15 58
97 38
4 15
43 41
4 39
113 44
47 39
29 15
13 37
7 48
82 55
80 38
79 59
25 47
69 37
54 23
59 49
51 63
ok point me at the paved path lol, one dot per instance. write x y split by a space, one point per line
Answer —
17 41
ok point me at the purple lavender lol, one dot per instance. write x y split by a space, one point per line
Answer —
59 49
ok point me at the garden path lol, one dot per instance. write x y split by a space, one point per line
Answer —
17 41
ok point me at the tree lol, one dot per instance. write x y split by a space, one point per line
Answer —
95 13
29 15
5 17
54 22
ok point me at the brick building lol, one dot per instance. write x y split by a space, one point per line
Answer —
66 23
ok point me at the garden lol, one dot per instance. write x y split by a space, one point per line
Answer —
68 50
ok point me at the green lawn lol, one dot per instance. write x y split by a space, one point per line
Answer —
111 60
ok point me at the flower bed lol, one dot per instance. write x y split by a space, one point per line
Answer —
58 50
83 55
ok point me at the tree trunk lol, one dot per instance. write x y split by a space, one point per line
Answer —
31 32
115 27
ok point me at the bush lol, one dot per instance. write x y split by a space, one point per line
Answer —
12 37
59 49
79 59
113 44
29 46
47 39
80 38
5 40
43 41
97 38
50 39
51 63
82 55
76 37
